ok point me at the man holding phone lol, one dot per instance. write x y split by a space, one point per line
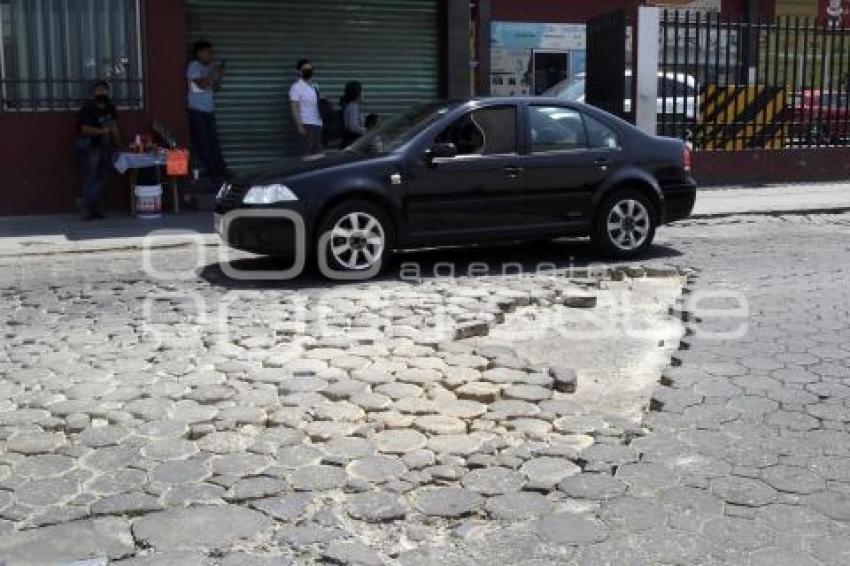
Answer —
205 79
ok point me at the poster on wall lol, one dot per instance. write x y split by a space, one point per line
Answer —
526 58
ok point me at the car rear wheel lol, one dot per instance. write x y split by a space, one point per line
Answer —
625 224
355 236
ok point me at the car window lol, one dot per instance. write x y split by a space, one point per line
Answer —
487 131
556 128
600 135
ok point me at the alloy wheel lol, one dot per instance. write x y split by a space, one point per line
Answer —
629 224
357 241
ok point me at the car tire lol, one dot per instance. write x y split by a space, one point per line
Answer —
354 236
625 224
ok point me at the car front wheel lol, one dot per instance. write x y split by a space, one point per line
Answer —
355 236
625 224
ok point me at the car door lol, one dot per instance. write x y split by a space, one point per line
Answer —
476 192
568 155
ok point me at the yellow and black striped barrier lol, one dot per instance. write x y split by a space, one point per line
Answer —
742 117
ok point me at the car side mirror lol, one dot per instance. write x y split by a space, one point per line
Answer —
441 151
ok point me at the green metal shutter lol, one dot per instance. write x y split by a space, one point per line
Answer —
391 46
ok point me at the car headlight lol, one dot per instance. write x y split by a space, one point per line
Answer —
269 194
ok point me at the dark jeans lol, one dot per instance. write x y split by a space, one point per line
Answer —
311 142
95 166
206 147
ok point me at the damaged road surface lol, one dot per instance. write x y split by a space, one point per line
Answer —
483 420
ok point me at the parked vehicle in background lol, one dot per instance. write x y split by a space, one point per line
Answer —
496 169
677 93
820 118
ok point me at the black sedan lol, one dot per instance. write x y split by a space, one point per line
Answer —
464 173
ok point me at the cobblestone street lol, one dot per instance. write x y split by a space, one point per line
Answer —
472 420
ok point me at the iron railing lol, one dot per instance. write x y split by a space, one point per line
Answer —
51 51
767 84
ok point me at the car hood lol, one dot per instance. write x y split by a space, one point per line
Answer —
281 170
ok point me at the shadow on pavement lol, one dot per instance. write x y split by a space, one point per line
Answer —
528 258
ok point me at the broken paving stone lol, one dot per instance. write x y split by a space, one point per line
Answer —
318 478
43 466
483 392
505 375
530 393
518 506
545 472
185 495
343 449
570 528
449 502
255 488
743 491
377 469
170 449
63 544
41 493
299 455
400 441
353 553
35 442
225 442
216 526
418 459
471 330
310 533
580 424
460 444
579 300
440 424
133 503
286 508
566 379
599 487
462 409
320 431
493 481
375 506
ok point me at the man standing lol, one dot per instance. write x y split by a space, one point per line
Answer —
304 100
204 79
98 135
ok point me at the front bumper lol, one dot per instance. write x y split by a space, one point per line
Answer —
679 202
263 231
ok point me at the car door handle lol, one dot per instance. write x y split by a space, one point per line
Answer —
602 163
513 171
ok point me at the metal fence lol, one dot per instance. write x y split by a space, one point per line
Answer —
51 51
731 85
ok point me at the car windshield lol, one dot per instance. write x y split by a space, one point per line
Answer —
570 89
399 129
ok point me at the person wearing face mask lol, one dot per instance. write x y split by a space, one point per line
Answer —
204 79
98 136
304 101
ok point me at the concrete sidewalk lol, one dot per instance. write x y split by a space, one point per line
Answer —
67 233
800 198
57 234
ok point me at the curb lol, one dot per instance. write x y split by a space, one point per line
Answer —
109 249
780 212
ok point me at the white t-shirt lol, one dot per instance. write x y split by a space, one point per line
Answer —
307 98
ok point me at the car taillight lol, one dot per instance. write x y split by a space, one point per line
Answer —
687 158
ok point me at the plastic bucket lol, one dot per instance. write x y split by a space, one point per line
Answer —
149 201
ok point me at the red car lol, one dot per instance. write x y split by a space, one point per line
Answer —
820 117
